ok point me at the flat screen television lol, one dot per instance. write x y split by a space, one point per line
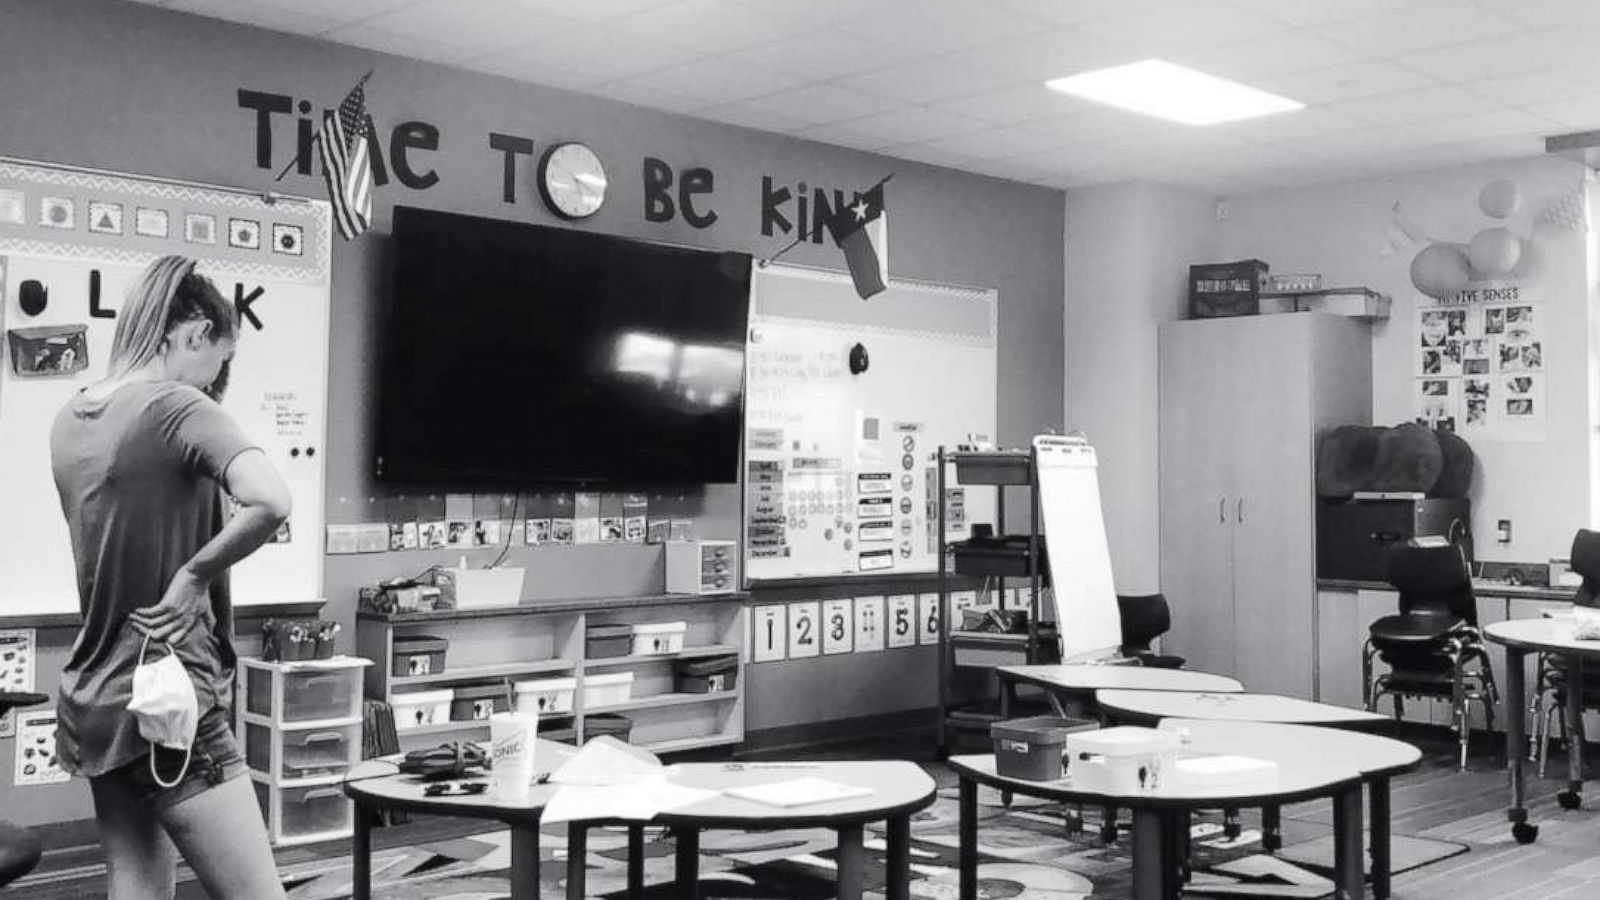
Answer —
524 355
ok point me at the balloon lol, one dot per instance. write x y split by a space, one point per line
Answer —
1494 251
1499 199
1441 271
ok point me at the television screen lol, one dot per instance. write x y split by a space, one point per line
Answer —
519 354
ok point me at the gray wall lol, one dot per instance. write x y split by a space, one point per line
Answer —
126 87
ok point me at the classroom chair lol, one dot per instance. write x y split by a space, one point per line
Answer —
1553 676
1146 617
1433 647
19 848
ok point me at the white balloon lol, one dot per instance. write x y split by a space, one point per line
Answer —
1499 199
1494 252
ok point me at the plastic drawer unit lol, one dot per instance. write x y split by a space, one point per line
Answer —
306 814
303 754
303 692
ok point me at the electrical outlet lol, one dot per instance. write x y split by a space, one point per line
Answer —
1222 210
1502 531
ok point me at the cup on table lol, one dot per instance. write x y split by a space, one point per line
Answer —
512 737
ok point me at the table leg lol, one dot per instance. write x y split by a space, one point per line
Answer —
525 862
1231 829
851 859
361 856
1572 798
1349 882
1008 691
1516 700
1108 824
1173 851
1150 866
1378 836
1271 828
967 858
897 884
635 862
577 860
688 863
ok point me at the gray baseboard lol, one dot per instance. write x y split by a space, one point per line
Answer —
794 737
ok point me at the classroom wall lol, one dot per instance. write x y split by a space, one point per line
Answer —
132 88
1546 488
1128 249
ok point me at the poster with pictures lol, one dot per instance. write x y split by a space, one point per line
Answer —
36 760
17 665
1480 367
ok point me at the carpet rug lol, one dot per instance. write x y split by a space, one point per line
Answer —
1026 853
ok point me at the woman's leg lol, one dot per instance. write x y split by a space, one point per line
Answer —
141 863
221 836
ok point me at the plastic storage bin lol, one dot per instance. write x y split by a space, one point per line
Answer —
1031 749
608 641
707 676
1124 760
619 727
659 637
418 655
306 754
421 709
606 690
564 735
309 695
477 702
546 695
307 811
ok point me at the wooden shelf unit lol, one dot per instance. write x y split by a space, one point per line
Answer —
546 640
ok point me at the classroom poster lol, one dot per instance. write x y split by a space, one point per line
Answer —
1480 368
17 668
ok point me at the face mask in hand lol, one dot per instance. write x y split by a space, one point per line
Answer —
164 702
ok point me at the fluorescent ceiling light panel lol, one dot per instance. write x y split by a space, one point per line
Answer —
1168 91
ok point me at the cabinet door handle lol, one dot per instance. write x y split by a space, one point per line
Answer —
1222 509
1239 512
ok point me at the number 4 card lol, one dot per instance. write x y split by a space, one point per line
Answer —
805 629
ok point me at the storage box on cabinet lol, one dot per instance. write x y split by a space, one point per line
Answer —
305 814
312 753
308 691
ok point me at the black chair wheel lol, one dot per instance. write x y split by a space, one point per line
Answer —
1232 830
1569 799
1108 833
1525 833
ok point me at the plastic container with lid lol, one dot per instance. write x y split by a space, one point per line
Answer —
546 695
608 641
418 655
1031 749
1122 760
707 676
608 689
659 637
421 709
475 703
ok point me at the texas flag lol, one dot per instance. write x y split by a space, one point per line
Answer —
862 231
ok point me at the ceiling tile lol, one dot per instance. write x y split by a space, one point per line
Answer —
641 92
273 17
845 136
1096 123
1011 171
592 50
1067 12
1483 126
1417 106
1009 106
1277 54
487 24
915 124
1566 13
593 10
787 15
706 26
1311 121
1195 24
820 103
752 116
382 40
719 81
1532 88
1319 12
1510 55
1045 55
996 143
922 82
1393 32
928 153
1576 114
937 25
532 71
824 54
1344 82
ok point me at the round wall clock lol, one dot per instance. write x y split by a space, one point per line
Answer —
572 180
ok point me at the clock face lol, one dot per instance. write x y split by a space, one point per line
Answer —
572 181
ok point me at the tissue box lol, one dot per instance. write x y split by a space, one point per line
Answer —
1124 760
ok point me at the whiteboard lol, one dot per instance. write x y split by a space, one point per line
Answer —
59 226
839 466
1080 556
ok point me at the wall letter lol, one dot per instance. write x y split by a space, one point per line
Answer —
658 206
413 136
696 181
265 106
512 146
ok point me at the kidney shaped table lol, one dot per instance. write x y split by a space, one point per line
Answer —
1160 816
1548 635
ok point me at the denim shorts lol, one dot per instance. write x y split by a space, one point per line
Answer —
214 760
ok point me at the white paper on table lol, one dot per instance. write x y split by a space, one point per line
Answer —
637 802
802 791
607 761
1585 623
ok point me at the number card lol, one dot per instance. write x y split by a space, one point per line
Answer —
771 633
901 627
869 624
805 629
927 618
960 600
838 625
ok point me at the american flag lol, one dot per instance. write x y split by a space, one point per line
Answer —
346 163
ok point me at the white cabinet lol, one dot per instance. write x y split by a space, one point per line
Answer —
1242 400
